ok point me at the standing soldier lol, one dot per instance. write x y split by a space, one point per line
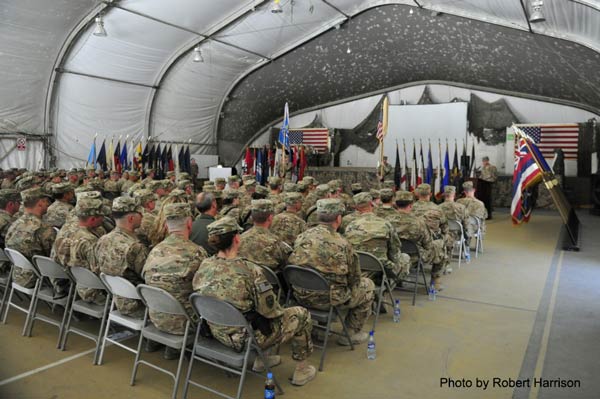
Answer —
64 198
287 226
121 253
322 249
386 172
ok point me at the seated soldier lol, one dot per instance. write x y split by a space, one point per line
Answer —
147 199
259 244
231 201
454 211
372 234
10 202
242 283
322 249
474 207
220 183
64 199
171 265
259 192
287 226
387 203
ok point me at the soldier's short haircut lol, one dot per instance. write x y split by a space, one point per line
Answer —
205 202
30 203
273 186
119 215
387 198
228 201
86 218
260 216
176 224
327 217
223 241
58 196
403 204
256 195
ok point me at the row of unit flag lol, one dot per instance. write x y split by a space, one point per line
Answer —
263 162
118 156
419 168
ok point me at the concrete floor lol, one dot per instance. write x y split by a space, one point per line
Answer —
523 309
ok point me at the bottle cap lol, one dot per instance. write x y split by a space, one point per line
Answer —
371 332
269 375
397 300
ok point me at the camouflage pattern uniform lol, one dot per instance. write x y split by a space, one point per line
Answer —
322 249
114 187
171 265
288 225
475 208
121 253
372 234
242 283
454 211
148 217
57 212
29 235
410 227
386 209
5 221
347 219
262 246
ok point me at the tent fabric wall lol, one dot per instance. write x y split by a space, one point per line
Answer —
32 158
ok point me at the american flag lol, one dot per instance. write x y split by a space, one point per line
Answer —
379 133
550 137
317 138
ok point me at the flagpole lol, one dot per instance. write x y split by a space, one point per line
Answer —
405 163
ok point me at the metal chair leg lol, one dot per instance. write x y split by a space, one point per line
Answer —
136 362
327 328
339 315
186 384
7 304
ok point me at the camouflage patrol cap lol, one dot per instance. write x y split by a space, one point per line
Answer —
220 180
144 196
183 184
405 196
33 194
222 226
72 171
8 194
156 184
356 186
208 183
449 189
54 174
322 190
290 187
126 205
375 193
84 188
207 188
134 173
274 180
334 184
25 183
179 194
80 170
292 198
184 176
386 194
468 185
330 206
301 186
250 183
149 170
423 189
177 211
233 178
61 188
97 185
231 194
247 177
310 180
262 190
88 194
89 207
170 173
389 184
362 199
262 205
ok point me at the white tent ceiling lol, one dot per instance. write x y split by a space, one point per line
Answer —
140 79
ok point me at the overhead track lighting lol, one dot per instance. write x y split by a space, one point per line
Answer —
276 7
99 30
197 54
536 15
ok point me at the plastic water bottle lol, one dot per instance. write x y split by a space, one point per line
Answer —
371 353
397 311
432 292
467 255
269 387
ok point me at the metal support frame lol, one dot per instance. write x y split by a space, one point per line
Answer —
526 16
89 75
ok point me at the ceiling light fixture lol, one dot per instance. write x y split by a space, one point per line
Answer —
99 30
536 15
349 50
411 11
276 8
197 54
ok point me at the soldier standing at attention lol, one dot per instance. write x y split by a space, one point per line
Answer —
487 178
29 234
121 253
242 283
387 171
322 249
287 226
64 199
259 244
171 265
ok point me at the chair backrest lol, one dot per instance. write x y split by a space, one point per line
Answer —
85 278
159 300
369 263
270 276
3 256
49 268
56 229
409 247
19 260
217 311
455 225
120 286
475 220
302 277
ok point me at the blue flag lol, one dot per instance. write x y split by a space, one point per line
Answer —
123 157
446 180
259 165
92 156
284 138
429 174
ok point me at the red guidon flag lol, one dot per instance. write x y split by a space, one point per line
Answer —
317 138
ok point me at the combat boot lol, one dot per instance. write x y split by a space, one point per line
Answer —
272 361
303 373
437 281
358 337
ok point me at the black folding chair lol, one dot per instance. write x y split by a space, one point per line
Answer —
410 248
370 264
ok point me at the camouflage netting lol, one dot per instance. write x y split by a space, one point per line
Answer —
488 121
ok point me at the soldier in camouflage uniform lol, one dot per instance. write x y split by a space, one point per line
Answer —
75 243
474 207
410 227
246 195
234 182
64 198
171 265
134 177
275 190
29 234
337 189
312 183
386 209
372 234
260 192
376 197
230 207
487 178
54 179
242 283
259 244
356 188
322 249
114 186
321 192
147 199
287 226
121 253
454 211
220 183
9 180
10 201
150 173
